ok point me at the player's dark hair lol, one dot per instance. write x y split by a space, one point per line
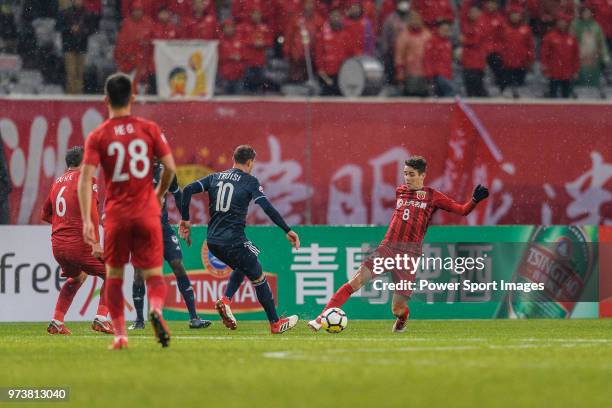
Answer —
243 154
74 156
418 163
118 89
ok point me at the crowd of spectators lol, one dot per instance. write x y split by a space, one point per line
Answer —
428 47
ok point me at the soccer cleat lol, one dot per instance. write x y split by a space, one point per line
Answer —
284 324
199 323
224 310
315 325
119 343
57 328
400 325
159 327
102 326
137 325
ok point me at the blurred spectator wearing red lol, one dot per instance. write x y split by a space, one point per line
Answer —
181 8
284 14
361 37
438 60
594 56
518 52
394 25
201 24
92 6
294 46
257 37
164 28
473 56
544 14
242 10
560 58
231 59
76 25
602 12
433 11
409 57
494 23
133 47
330 52
148 7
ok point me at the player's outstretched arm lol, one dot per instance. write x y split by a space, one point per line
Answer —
196 187
168 172
47 210
177 193
276 218
448 204
85 192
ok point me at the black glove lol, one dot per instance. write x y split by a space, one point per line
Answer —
480 193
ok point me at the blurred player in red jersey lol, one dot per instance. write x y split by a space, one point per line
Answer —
76 258
415 205
125 145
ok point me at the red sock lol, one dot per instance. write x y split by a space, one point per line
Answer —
156 292
102 308
65 298
114 301
404 316
340 297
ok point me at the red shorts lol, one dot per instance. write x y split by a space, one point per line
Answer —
399 275
74 260
141 238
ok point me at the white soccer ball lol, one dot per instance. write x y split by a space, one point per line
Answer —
334 320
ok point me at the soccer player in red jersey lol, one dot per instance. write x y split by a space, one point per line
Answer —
125 147
415 205
76 258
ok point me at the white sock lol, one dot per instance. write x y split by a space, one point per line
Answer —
100 317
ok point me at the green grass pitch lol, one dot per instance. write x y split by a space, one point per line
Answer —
484 363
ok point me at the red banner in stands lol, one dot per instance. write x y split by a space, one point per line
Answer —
339 162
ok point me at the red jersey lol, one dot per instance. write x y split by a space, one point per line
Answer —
519 51
252 35
331 49
62 211
438 57
560 56
204 27
125 147
413 212
231 57
474 55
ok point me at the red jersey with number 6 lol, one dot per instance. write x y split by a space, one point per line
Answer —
125 147
413 212
62 211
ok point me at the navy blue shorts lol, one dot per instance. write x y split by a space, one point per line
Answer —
240 256
172 248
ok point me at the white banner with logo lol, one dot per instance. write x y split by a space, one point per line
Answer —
186 69
30 279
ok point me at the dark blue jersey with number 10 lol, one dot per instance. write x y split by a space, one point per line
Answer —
230 193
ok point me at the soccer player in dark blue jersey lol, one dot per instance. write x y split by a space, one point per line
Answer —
174 256
230 193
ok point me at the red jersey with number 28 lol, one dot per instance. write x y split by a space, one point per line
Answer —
62 211
413 212
125 147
